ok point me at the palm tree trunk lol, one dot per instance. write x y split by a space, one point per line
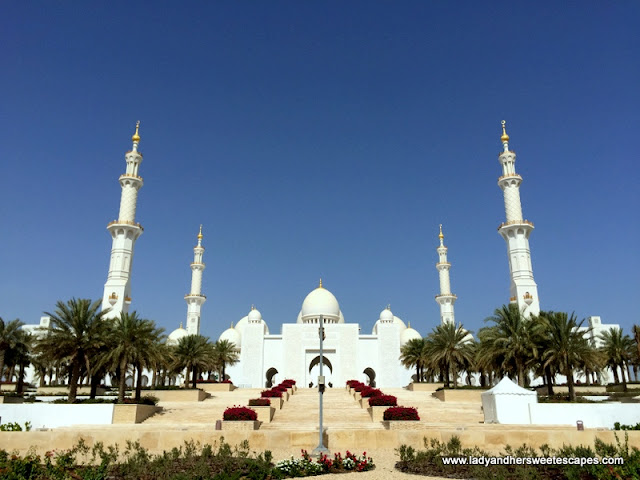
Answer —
616 379
224 368
20 383
194 376
547 374
95 381
154 377
572 390
520 375
624 378
138 382
73 382
2 364
455 376
122 379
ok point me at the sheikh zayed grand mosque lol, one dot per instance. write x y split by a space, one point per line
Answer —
267 357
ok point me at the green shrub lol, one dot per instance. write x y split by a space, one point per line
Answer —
15 427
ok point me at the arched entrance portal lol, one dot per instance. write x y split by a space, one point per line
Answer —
269 377
369 372
314 371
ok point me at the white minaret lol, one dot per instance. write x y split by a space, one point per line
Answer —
446 299
515 230
124 233
195 299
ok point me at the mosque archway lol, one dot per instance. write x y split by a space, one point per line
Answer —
370 372
314 371
269 377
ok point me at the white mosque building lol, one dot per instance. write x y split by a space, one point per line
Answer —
267 358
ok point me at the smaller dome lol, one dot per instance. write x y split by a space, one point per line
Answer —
175 336
254 315
232 336
386 315
409 334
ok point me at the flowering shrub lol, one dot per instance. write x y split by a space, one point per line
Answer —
288 383
353 383
306 465
239 413
383 401
359 388
370 392
401 413
279 389
271 394
259 402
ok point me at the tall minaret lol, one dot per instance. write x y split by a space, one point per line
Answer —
446 299
516 231
124 233
195 299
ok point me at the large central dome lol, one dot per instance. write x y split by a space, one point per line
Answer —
320 302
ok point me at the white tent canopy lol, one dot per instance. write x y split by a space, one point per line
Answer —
507 403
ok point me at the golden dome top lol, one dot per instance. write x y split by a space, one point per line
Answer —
440 236
504 137
200 236
136 136
320 285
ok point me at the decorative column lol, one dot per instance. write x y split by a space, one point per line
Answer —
515 231
195 299
124 233
446 299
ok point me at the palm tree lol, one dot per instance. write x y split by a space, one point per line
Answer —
195 354
78 329
21 356
566 345
8 337
225 353
411 355
616 348
450 347
510 340
132 342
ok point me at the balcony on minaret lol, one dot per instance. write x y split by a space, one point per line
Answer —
195 295
445 296
443 265
113 298
516 222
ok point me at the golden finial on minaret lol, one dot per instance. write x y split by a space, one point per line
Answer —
504 137
200 236
253 307
320 285
440 236
136 136
231 324
409 324
388 306
181 325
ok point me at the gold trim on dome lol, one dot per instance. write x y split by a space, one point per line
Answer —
441 236
504 137
136 136
200 236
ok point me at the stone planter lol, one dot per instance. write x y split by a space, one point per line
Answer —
265 414
216 387
290 391
401 424
11 399
181 395
455 395
377 413
8 387
133 413
240 424
276 402
357 396
424 387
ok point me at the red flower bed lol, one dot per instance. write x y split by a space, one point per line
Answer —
288 383
383 401
279 389
401 413
359 388
353 383
259 402
271 394
239 413
371 392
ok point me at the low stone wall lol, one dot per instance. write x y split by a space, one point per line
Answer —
377 413
190 395
580 389
64 389
7 387
424 387
464 396
491 439
216 387
591 414
49 415
133 413
402 425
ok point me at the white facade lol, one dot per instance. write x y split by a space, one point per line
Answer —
267 358
195 298
446 299
124 233
516 231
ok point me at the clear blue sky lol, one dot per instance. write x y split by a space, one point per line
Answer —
320 139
